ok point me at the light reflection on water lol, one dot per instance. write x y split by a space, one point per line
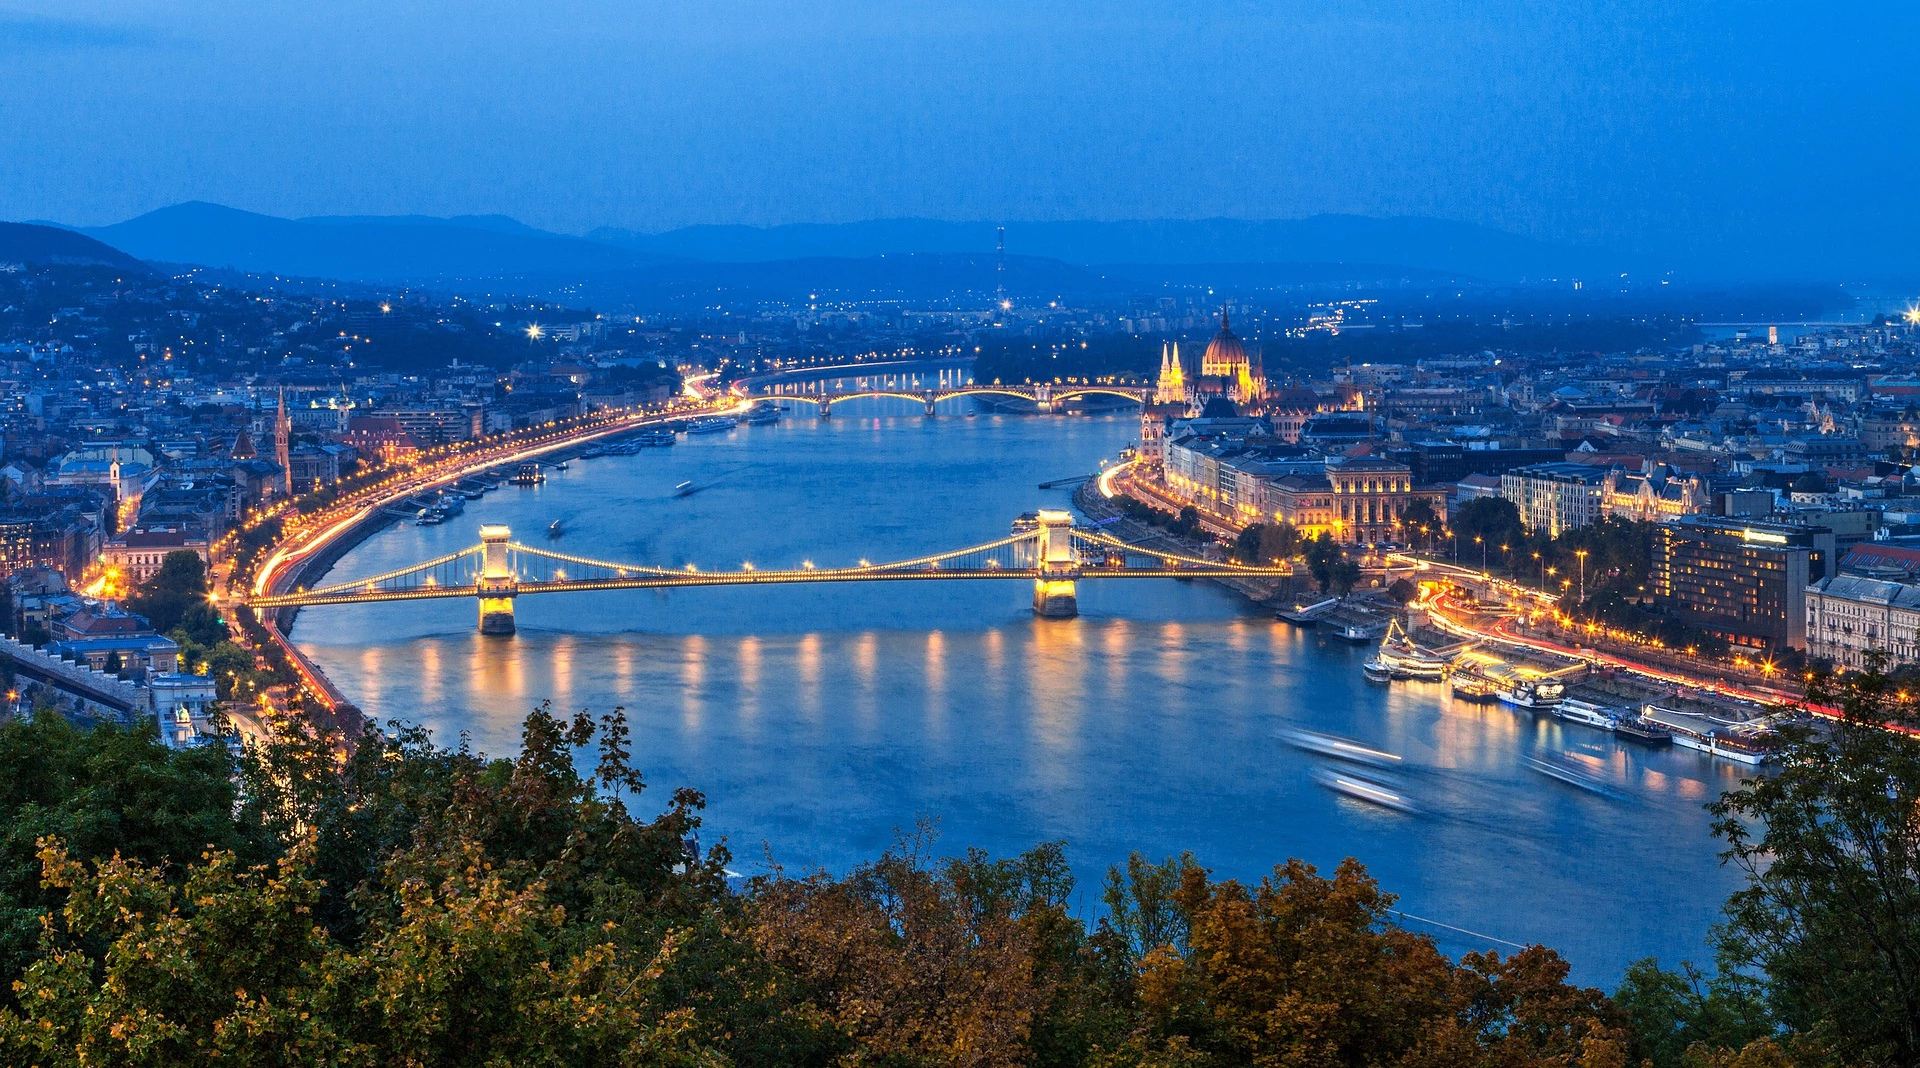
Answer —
819 718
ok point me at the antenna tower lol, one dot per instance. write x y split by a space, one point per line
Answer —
1000 270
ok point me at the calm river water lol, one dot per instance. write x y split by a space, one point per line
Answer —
818 719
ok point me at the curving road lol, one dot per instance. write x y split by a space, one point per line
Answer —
305 537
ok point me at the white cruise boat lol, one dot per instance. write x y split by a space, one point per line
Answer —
1585 713
1745 743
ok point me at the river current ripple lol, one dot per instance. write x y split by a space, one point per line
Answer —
820 719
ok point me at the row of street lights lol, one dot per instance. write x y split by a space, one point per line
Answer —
1481 541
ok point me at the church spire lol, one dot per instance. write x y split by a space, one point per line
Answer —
282 445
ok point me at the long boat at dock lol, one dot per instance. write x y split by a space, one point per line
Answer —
1743 741
1399 657
1480 676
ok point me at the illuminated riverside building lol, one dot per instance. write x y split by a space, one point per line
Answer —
1360 501
1371 498
1236 469
1850 617
1224 370
1744 582
138 553
1655 497
1555 498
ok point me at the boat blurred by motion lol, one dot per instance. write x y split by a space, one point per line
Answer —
1339 748
1373 793
1573 773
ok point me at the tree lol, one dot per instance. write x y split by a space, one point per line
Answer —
113 666
1266 543
410 904
1279 541
1307 970
176 597
921 962
1246 544
1495 520
1322 553
1421 523
101 791
1673 1012
1830 914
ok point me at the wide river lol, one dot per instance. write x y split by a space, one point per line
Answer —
820 718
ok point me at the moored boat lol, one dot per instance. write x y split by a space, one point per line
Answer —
710 424
1481 676
1641 732
1742 742
1401 658
1585 713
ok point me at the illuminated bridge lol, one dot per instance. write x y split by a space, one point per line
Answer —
1046 396
1049 551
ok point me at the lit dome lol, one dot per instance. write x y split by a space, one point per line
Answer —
1225 354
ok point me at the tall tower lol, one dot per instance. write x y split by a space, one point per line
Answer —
282 444
1000 270
1171 387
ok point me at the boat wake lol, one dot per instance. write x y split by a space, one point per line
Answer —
1566 770
1370 791
1331 745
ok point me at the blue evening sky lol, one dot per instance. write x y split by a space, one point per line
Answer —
1646 124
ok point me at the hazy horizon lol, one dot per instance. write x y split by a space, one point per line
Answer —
1729 128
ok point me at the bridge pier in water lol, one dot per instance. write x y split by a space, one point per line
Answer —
498 583
1054 596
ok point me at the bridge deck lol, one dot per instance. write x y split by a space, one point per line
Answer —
702 579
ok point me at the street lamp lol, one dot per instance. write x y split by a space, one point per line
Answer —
1482 542
1543 571
1582 554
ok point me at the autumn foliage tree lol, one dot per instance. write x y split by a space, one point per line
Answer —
414 905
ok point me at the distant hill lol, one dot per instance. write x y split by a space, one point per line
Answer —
32 243
1417 244
1235 252
388 249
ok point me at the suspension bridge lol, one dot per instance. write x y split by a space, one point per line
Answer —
1046 548
1046 396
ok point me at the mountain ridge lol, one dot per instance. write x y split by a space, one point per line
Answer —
393 249
417 248
39 243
